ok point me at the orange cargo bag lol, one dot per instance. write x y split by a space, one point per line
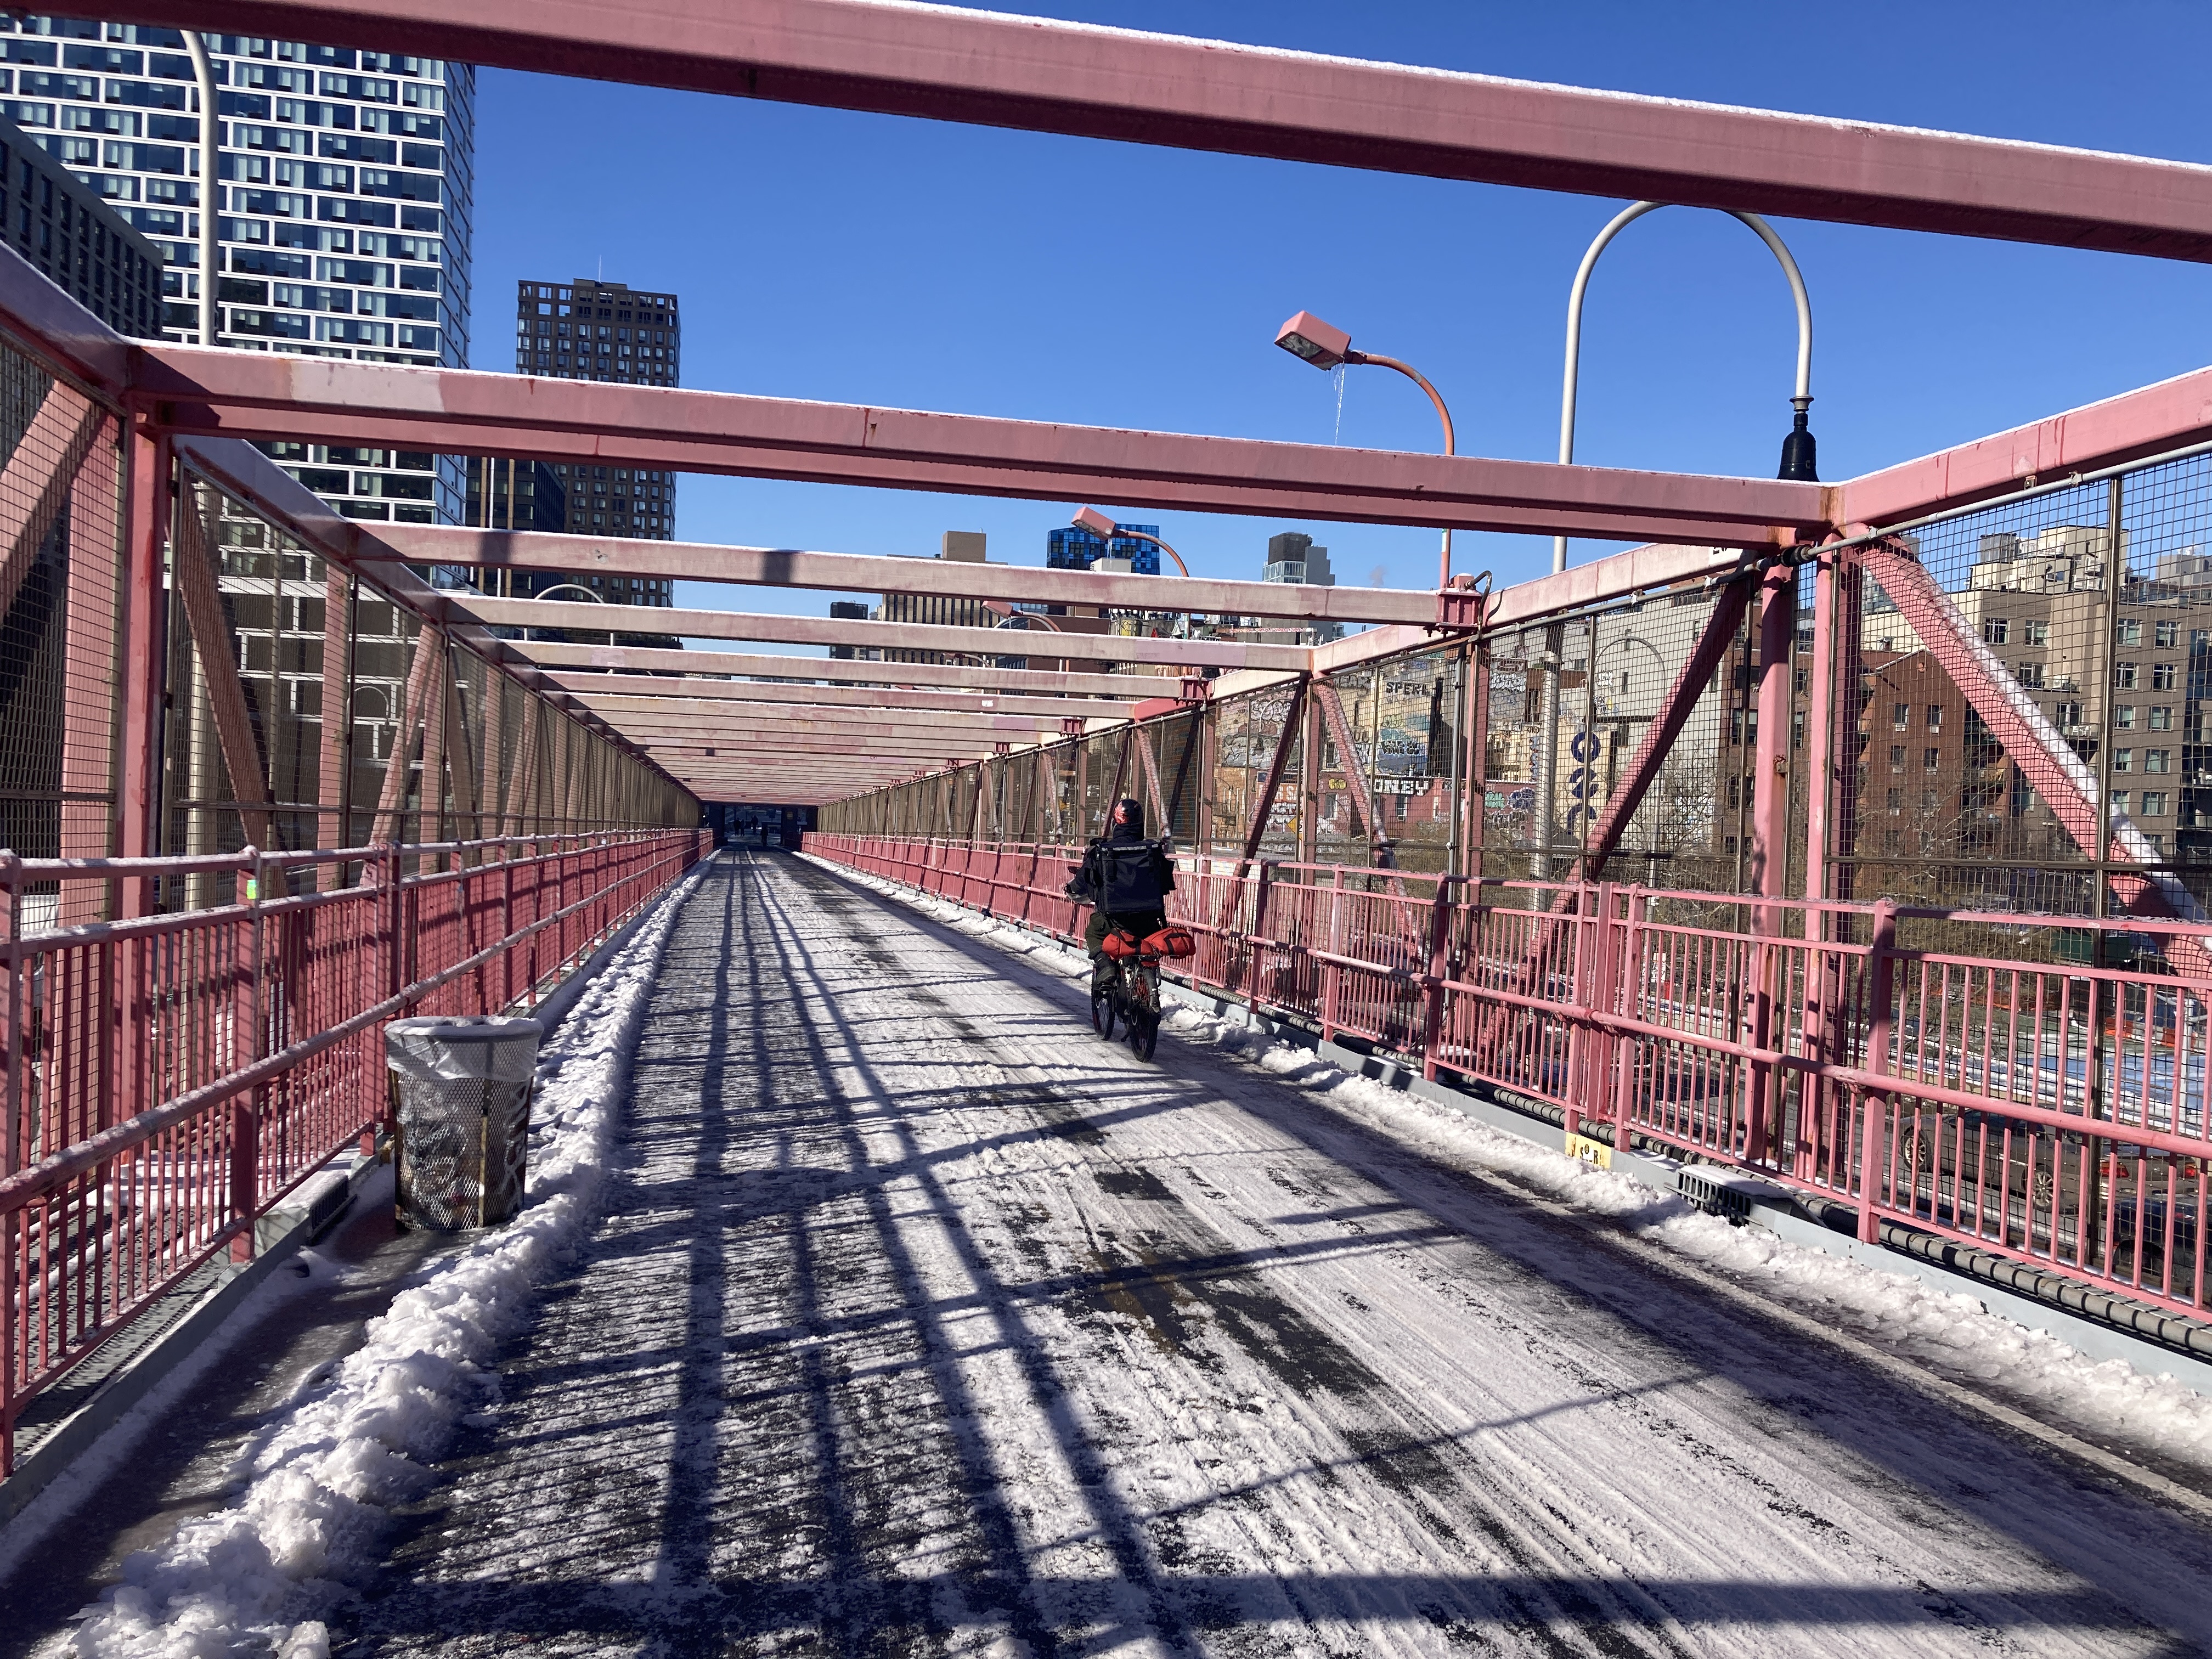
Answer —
1172 941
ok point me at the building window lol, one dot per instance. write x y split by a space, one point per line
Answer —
2123 717
2157 760
2161 719
2155 803
1934 717
2162 677
2169 636
1896 802
2124 676
2123 760
2035 633
1928 759
2031 675
2128 633
1996 630
1897 757
1900 716
2120 799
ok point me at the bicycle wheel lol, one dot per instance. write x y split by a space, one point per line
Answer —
1143 1016
1102 1012
1144 1032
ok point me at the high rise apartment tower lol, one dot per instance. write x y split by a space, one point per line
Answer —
343 205
600 331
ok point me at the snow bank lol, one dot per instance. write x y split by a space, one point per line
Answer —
1952 1334
251 1577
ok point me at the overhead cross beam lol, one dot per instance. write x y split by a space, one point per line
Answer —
592 687
617 619
642 658
1044 75
212 391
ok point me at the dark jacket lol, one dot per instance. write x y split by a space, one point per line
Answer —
1125 875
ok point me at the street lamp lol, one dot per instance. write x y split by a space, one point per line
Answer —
1797 463
1107 530
1797 448
574 587
1325 346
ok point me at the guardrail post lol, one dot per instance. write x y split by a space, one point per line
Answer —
1432 998
1628 979
1332 976
1875 1103
507 924
247 1011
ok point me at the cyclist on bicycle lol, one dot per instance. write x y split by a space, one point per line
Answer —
1128 879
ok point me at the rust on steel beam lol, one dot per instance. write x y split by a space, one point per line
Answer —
215 392
578 617
1085 81
2173 413
642 658
858 573
590 686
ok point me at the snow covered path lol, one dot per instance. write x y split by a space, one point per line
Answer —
919 1321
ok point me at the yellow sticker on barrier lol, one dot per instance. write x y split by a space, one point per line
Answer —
1582 1147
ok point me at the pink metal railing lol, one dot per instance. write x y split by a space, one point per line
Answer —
2052 1113
169 1078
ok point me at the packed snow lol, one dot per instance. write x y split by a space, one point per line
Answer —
1953 1333
256 1577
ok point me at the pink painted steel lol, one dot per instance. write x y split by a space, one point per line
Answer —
261 396
1666 723
706 691
998 585
1044 75
2043 757
963 676
1638 1026
257 1057
2172 414
40 473
879 635
1769 870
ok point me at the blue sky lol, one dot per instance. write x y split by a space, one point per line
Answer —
860 258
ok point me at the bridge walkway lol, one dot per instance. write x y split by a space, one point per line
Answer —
920 1320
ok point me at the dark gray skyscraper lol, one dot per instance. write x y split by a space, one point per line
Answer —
599 331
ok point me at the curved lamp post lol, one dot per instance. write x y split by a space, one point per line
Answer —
575 587
1107 530
1797 449
1307 336
1797 463
203 73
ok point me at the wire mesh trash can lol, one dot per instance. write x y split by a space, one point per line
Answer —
463 1091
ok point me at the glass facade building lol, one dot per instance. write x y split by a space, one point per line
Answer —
1072 548
342 207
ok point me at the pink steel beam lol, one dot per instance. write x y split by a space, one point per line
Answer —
41 471
853 572
2171 414
1082 688
211 392
257 482
870 636
1666 727
2057 773
1347 760
1041 75
589 686
633 714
